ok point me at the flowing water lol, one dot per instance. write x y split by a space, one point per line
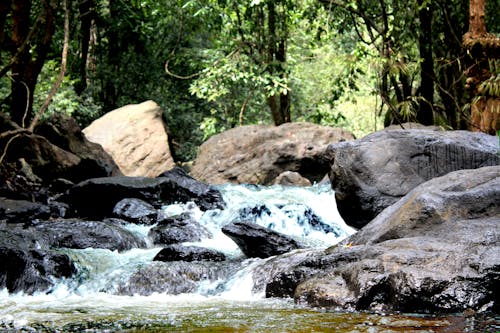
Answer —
92 302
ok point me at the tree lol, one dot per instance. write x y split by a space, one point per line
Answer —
483 72
28 41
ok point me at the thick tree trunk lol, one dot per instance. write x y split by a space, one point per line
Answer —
26 67
483 48
86 16
425 113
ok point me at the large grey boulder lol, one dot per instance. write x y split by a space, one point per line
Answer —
136 138
374 172
435 250
257 154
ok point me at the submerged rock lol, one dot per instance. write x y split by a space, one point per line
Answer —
435 250
175 277
176 252
374 172
256 241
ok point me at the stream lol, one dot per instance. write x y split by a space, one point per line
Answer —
92 300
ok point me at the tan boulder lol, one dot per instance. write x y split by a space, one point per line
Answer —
136 138
257 154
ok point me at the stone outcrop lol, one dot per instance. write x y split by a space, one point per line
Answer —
374 172
257 241
257 154
136 138
291 178
435 250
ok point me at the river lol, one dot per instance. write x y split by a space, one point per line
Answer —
91 301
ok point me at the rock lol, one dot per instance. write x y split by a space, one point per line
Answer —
75 159
64 132
82 234
374 172
98 197
184 188
291 178
176 252
135 136
136 211
256 241
437 250
178 229
27 267
21 211
175 277
257 154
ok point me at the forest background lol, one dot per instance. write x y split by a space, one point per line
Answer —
216 64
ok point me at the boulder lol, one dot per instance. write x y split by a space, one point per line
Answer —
63 131
178 229
82 234
28 267
69 156
374 172
98 197
185 188
257 154
136 137
176 252
136 211
437 250
257 241
21 211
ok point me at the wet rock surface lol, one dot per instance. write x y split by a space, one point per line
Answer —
136 211
374 172
178 229
435 250
178 252
257 241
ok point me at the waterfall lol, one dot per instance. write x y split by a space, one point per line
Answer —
306 214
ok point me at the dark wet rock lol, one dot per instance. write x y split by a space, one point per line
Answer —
82 234
176 252
136 211
64 132
374 172
97 197
178 229
184 188
175 277
257 241
26 265
21 211
436 250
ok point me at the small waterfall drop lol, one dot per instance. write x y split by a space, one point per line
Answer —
306 214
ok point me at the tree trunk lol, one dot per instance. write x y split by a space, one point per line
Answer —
425 112
86 16
484 49
26 68
477 22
